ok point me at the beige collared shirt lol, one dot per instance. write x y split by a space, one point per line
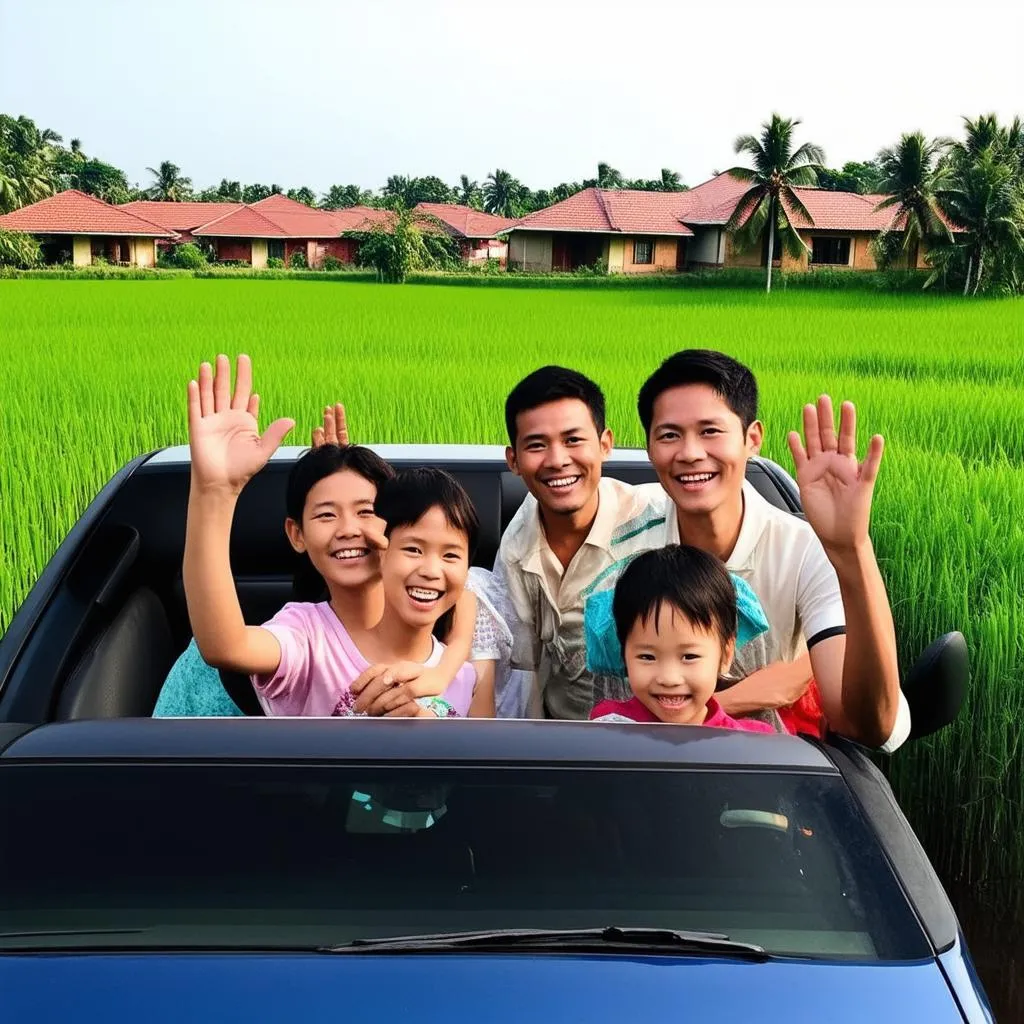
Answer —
549 600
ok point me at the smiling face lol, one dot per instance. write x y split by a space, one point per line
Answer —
336 520
699 449
673 666
559 454
425 568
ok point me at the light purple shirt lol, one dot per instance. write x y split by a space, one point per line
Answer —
319 663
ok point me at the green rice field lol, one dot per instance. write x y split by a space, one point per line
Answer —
92 373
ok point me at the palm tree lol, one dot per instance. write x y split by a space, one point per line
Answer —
983 201
468 191
911 179
76 149
771 200
503 194
671 181
170 185
609 177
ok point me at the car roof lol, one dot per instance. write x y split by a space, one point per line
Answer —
383 741
465 455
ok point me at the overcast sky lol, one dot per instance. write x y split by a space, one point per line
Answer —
322 91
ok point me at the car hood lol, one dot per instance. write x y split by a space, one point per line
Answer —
455 988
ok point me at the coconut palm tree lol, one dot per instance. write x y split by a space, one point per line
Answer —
912 179
170 185
671 181
983 201
770 200
609 177
503 194
468 191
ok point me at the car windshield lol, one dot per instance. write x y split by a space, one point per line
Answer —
300 855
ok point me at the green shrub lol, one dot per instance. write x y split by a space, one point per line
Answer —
331 263
187 256
275 263
19 250
297 261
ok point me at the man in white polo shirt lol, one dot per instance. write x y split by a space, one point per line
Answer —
573 527
818 581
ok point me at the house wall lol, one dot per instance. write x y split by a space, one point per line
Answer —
616 255
293 245
234 249
258 251
705 248
142 252
480 250
665 253
735 258
81 251
530 251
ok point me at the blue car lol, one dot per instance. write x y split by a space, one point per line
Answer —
307 870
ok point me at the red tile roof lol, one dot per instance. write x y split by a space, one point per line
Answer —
711 202
465 221
75 213
611 210
179 216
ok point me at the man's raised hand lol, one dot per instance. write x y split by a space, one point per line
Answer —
835 489
224 439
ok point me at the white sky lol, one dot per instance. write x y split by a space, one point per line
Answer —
322 91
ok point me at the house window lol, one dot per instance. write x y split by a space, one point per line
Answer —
275 248
643 251
834 252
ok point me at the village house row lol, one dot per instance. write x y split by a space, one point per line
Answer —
631 232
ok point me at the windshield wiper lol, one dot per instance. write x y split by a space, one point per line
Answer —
661 940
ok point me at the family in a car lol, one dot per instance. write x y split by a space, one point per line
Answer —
692 600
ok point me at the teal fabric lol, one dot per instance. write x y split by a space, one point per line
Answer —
604 653
193 689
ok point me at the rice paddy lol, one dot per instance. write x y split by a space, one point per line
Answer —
93 373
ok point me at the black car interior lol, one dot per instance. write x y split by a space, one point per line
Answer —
101 643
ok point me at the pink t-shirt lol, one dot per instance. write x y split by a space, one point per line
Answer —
633 710
319 663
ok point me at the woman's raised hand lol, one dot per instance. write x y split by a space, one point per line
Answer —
224 439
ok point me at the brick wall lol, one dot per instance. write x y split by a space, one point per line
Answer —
665 253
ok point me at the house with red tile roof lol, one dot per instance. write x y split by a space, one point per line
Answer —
73 227
475 232
642 232
273 227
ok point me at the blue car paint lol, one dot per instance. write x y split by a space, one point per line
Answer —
456 988
963 977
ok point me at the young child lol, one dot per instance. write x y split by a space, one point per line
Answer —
430 529
303 664
676 619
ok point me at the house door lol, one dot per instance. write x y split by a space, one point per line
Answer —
681 254
561 258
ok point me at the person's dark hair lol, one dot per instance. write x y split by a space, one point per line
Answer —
410 493
729 379
308 471
552 384
692 581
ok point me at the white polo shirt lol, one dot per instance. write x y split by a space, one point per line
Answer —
548 599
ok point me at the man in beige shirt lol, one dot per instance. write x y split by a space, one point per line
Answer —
572 528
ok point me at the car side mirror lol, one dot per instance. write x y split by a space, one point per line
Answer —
936 685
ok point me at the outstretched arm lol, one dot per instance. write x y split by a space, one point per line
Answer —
778 685
227 450
858 674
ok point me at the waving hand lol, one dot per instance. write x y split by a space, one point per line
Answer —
226 445
835 489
